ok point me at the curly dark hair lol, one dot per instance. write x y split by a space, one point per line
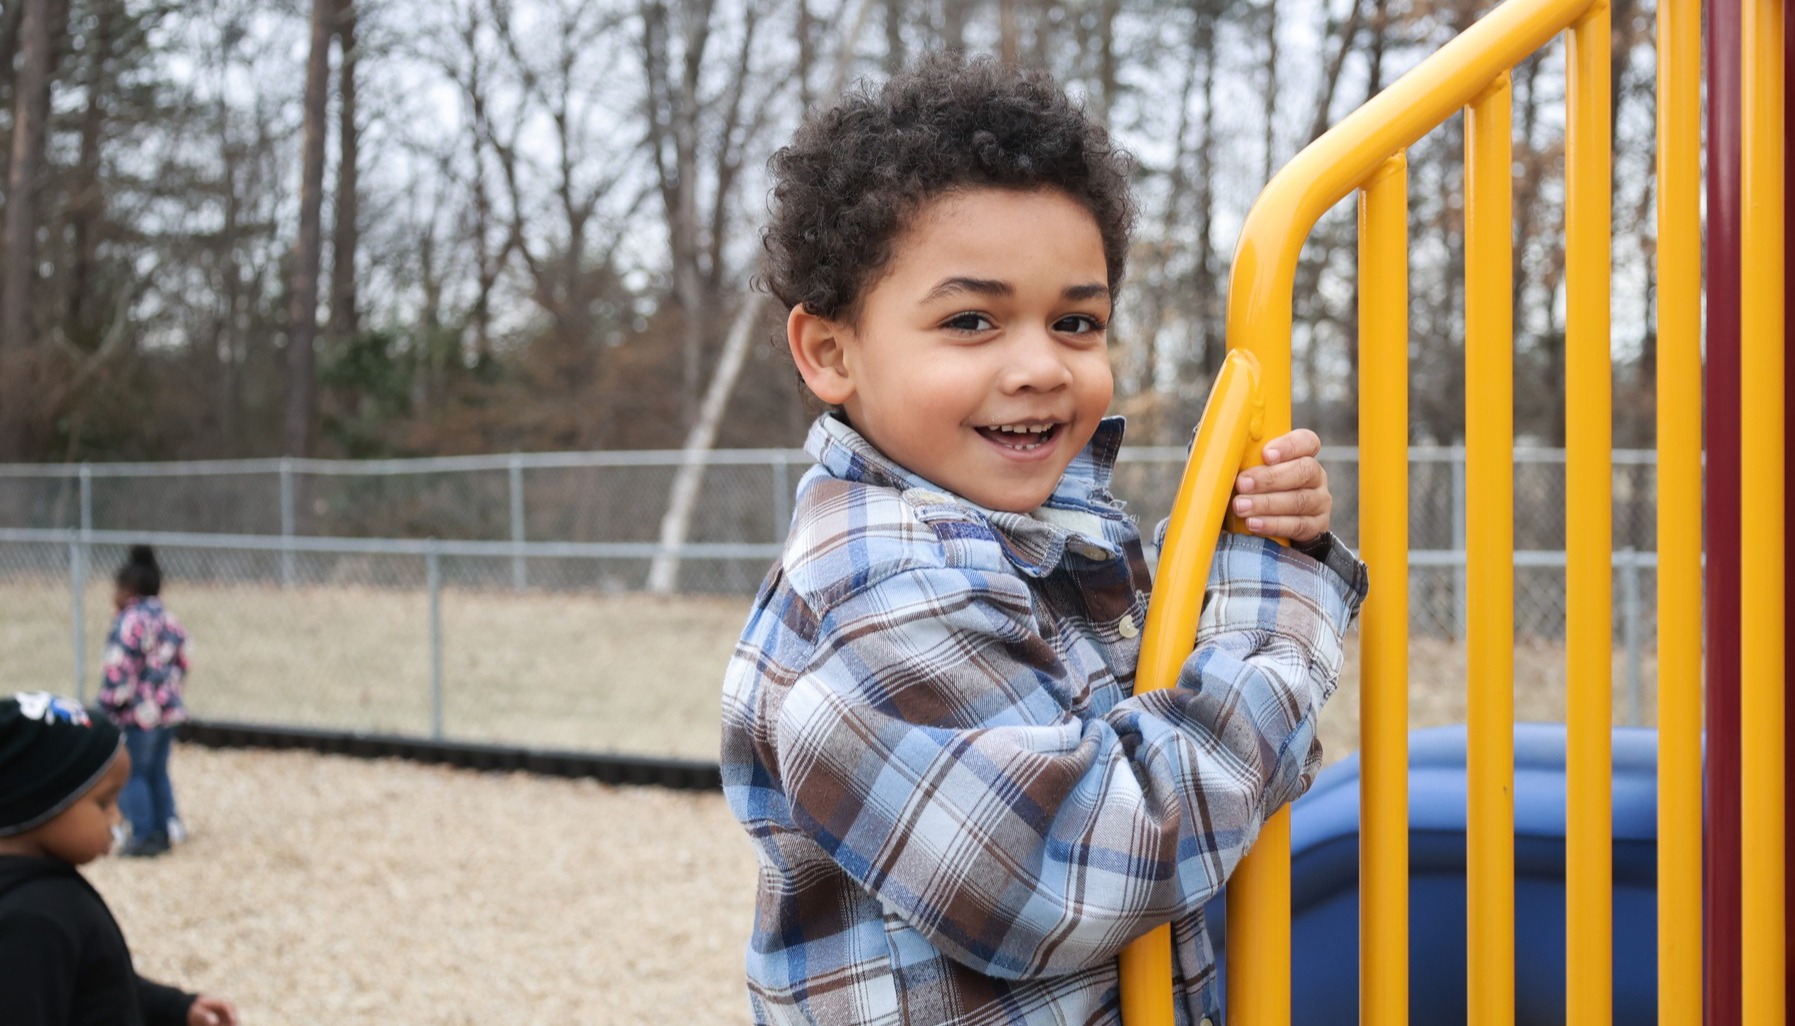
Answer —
856 173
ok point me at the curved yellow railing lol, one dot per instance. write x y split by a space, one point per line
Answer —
1365 153
1233 419
1467 74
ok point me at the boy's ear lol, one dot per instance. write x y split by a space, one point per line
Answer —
819 349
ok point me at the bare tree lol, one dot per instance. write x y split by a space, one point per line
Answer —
663 573
86 200
1271 88
39 28
344 321
302 357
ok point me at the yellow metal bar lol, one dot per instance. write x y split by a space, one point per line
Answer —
1589 536
1259 929
1259 315
1232 421
1259 320
1489 523
1384 621
1679 513
1762 518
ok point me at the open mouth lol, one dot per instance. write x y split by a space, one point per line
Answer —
1020 437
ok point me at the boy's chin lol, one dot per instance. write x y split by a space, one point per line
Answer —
1019 499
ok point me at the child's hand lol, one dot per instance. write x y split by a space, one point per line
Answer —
207 1010
1287 497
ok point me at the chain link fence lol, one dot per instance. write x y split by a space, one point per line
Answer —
502 598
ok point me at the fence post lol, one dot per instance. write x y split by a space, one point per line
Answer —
86 501
79 555
1460 580
782 497
1630 633
433 582
520 575
77 593
286 521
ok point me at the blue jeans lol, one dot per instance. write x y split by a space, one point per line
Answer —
148 800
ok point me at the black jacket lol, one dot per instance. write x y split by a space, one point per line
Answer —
63 959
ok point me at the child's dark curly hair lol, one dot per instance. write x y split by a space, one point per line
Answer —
853 175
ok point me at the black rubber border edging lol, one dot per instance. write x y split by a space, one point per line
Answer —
679 774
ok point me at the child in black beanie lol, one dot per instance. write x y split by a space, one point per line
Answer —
63 959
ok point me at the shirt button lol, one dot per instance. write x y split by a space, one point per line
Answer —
1125 626
1091 552
1206 1021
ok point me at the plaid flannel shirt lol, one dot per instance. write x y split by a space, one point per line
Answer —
960 812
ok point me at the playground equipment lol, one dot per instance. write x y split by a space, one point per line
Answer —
1744 964
1324 872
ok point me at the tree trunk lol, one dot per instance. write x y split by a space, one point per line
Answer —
1009 45
1108 70
302 314
1271 88
953 24
682 498
31 108
894 36
87 204
344 321
1212 316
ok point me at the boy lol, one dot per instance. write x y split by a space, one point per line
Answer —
961 814
63 961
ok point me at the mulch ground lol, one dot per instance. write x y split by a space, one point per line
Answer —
319 890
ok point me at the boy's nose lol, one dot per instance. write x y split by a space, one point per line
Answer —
1035 362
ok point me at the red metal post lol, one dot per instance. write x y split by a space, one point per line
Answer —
1722 528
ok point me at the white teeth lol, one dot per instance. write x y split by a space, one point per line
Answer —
1023 429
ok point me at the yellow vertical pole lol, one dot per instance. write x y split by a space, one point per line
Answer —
1384 623
1489 516
1679 513
1259 890
1259 930
1762 518
1231 423
1589 486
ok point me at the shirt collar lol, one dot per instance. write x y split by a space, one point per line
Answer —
1036 544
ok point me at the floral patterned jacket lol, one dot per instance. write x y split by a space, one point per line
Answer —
145 667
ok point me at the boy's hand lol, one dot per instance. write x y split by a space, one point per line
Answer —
1287 497
207 1010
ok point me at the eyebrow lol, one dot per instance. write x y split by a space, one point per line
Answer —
992 287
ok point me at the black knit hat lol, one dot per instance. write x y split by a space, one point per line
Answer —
51 752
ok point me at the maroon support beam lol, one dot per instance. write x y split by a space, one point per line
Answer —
1722 486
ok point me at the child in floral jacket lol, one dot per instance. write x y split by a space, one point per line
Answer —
143 675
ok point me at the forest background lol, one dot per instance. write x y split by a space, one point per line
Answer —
366 228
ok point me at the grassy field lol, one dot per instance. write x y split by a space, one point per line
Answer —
621 673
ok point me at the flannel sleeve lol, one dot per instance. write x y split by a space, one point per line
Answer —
937 749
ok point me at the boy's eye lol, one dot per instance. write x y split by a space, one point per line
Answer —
1079 324
968 322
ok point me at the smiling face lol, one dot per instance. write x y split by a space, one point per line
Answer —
980 359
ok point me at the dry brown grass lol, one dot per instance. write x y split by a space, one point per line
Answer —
629 673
